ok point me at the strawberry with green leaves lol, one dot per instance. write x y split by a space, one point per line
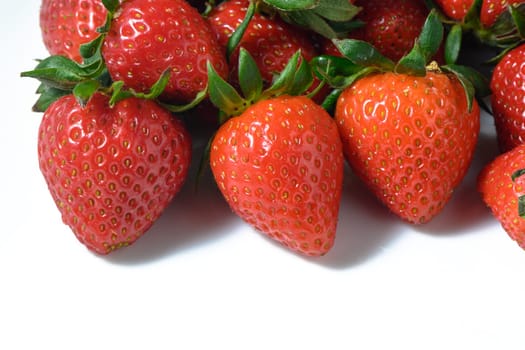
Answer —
508 98
146 38
277 158
391 26
68 24
409 131
502 187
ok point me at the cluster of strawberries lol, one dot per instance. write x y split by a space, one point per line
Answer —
291 90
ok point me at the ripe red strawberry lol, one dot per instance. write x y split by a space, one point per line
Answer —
67 24
270 41
391 26
279 165
508 98
148 37
111 170
489 13
410 139
502 186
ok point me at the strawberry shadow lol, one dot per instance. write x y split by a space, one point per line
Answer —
365 228
198 215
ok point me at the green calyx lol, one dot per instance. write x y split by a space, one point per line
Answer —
59 75
361 58
521 199
294 79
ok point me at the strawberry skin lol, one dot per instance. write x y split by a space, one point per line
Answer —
508 98
492 9
111 171
410 139
67 24
279 165
501 194
270 41
148 37
391 26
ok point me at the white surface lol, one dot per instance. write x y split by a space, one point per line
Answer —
201 279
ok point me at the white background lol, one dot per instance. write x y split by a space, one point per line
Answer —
201 279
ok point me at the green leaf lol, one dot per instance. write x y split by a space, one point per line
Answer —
431 36
331 100
201 95
364 54
292 5
310 20
92 49
521 206
158 88
48 95
453 44
285 79
413 63
303 79
480 82
111 5
58 72
336 10
237 35
84 90
223 95
336 71
250 79
517 174
518 15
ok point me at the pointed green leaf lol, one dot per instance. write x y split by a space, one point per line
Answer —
158 88
363 54
518 15
517 174
413 63
119 93
285 79
92 48
84 90
431 36
235 38
223 95
453 44
250 79
292 5
480 82
201 95
331 100
521 206
311 21
48 95
303 79
111 5
336 10
58 72
338 72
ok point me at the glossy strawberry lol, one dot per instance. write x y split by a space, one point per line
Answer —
502 186
411 139
148 37
67 24
279 165
391 26
489 12
111 170
508 98
270 41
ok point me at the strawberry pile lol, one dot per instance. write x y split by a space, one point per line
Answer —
291 91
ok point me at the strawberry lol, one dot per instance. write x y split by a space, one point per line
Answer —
502 187
279 162
67 24
408 131
147 38
490 10
390 26
269 40
111 170
508 98
411 139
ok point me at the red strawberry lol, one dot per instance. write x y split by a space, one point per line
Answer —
67 24
279 165
411 139
390 26
508 98
489 13
270 41
148 37
111 170
502 186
